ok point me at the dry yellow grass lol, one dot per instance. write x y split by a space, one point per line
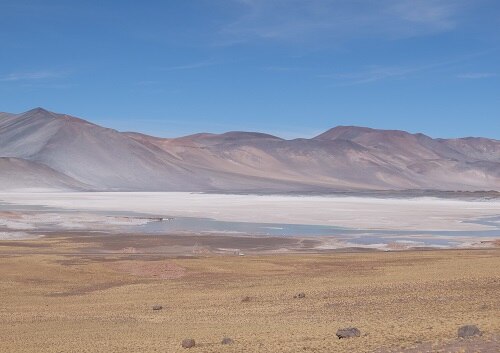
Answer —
78 303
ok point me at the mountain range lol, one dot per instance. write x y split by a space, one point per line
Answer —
49 151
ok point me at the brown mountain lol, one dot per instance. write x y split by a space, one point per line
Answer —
343 158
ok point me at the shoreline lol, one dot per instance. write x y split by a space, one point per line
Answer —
328 222
193 245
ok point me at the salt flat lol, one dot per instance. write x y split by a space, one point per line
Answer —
344 211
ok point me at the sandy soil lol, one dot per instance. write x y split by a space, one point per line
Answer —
352 212
55 297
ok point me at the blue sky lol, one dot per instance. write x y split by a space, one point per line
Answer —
287 67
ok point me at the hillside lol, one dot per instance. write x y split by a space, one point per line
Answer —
80 154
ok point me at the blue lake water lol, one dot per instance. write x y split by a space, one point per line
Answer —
357 236
363 237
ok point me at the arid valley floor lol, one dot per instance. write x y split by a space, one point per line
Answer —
81 290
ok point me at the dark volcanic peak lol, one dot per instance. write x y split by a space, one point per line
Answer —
38 110
198 135
354 132
343 132
38 113
240 135
231 135
68 152
41 113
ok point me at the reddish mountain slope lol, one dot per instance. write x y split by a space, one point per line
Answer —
343 158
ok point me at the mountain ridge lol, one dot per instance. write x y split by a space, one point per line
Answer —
341 158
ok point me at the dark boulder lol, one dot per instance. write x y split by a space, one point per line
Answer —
157 307
348 332
227 340
469 331
188 343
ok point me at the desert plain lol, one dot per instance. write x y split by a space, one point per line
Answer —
82 288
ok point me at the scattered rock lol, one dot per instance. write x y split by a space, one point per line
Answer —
300 295
188 343
348 332
157 307
227 340
469 331
245 299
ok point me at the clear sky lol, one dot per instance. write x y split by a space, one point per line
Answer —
287 67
